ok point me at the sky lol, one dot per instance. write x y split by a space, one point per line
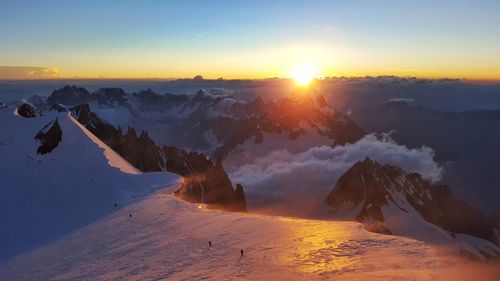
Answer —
248 39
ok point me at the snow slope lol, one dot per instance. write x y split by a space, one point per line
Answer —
43 197
114 159
168 239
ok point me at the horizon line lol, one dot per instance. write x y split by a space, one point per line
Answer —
463 79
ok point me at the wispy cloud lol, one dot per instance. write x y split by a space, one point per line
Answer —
297 184
28 72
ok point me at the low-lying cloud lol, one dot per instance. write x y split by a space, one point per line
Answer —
28 72
297 184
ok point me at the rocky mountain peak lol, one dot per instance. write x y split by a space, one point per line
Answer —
69 95
28 110
148 94
110 95
372 193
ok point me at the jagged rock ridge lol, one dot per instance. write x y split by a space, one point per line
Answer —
372 191
204 181
49 137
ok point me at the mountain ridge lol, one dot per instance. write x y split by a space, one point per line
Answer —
378 195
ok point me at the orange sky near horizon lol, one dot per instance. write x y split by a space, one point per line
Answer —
258 39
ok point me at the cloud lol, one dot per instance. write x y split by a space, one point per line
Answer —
297 184
28 72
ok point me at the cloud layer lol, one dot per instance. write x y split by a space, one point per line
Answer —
297 184
28 72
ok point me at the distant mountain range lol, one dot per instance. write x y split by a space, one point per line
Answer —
211 123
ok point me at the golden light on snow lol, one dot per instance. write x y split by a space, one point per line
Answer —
319 248
304 73
200 206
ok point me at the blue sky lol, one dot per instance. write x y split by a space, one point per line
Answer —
252 38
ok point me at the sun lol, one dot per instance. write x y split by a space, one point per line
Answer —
303 74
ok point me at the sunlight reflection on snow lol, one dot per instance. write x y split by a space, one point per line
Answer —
321 248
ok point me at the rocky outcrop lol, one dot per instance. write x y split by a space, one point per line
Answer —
2 105
49 137
373 191
149 101
58 108
28 110
110 96
69 95
203 181
148 95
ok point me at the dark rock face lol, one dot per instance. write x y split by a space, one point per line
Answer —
28 110
110 96
372 186
49 137
73 95
203 181
148 94
2 105
69 95
240 197
58 108
151 101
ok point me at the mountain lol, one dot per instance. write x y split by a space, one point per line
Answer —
213 124
69 95
388 200
217 124
203 181
56 177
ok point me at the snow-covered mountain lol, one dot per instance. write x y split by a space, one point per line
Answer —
56 176
388 200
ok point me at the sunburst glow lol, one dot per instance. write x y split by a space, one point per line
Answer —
304 74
